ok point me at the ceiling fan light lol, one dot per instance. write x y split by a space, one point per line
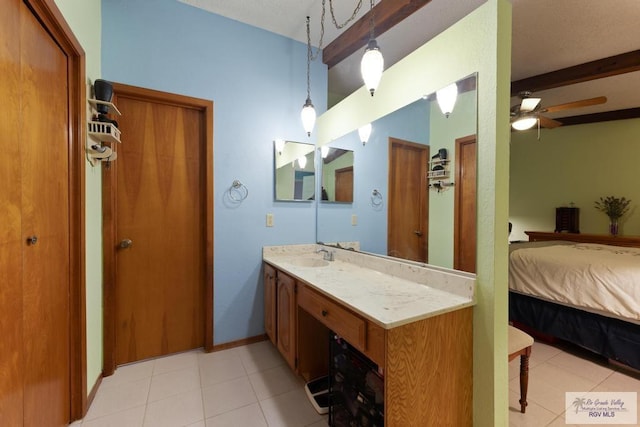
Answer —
447 98
371 66
308 116
524 123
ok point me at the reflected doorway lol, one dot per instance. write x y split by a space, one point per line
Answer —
408 211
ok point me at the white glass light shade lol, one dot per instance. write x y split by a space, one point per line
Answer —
447 98
302 161
524 123
279 143
364 132
308 116
324 151
371 66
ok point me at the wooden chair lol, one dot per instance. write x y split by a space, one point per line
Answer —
520 345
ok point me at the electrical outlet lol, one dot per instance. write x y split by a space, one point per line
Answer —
269 220
354 219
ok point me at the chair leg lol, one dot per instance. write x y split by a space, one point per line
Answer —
524 378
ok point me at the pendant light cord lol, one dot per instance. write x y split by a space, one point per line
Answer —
371 23
309 60
335 23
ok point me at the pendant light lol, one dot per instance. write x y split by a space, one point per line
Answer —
364 132
372 63
308 113
447 98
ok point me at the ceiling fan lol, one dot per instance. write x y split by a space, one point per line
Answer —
529 112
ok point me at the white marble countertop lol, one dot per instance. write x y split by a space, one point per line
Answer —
387 292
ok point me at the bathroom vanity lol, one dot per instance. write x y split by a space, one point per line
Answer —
413 321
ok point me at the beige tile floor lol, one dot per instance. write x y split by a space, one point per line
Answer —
554 371
251 386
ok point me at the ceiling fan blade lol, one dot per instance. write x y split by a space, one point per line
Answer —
548 123
575 104
529 104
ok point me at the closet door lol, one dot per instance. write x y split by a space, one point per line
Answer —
10 221
34 225
44 144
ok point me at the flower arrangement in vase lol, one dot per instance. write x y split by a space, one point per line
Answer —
615 208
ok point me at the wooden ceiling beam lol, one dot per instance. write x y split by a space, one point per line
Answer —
629 113
606 67
387 13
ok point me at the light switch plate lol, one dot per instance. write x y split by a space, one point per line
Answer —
354 219
269 220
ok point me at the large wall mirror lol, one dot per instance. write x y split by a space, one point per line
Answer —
414 193
295 178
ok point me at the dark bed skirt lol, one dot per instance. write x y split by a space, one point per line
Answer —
611 338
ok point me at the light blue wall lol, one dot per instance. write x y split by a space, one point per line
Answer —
257 81
371 170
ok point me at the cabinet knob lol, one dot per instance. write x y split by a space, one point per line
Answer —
324 313
32 240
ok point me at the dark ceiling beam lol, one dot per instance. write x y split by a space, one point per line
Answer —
387 13
607 116
606 67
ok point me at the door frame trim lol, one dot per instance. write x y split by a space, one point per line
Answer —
465 140
53 21
108 218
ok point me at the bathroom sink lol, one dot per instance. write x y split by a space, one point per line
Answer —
309 262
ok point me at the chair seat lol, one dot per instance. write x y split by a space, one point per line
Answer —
518 340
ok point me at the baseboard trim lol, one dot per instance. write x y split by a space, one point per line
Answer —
92 395
239 343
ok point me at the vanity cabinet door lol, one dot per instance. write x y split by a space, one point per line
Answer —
270 306
286 318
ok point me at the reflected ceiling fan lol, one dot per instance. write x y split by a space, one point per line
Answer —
529 112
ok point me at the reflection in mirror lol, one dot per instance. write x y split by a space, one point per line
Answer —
294 171
427 213
337 175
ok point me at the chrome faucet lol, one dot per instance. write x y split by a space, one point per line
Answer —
327 256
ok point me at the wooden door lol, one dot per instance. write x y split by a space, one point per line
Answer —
344 184
161 235
270 307
286 321
464 246
408 211
38 236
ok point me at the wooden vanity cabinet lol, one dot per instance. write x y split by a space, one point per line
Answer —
270 308
286 317
427 364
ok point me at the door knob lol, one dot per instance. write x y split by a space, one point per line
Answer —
125 243
32 240
417 233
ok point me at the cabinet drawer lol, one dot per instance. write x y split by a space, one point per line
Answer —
335 317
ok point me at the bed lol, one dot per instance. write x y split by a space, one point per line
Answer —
584 289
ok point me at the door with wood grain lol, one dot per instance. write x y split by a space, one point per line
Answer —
35 226
161 226
344 184
465 230
408 210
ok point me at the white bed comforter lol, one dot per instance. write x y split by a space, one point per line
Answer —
598 278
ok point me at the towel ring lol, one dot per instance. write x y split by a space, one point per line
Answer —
238 191
376 198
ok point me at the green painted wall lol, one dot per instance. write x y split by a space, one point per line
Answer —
480 42
443 134
84 18
574 164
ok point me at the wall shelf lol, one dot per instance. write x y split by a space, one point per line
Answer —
102 131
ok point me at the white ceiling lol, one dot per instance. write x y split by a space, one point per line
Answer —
547 35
